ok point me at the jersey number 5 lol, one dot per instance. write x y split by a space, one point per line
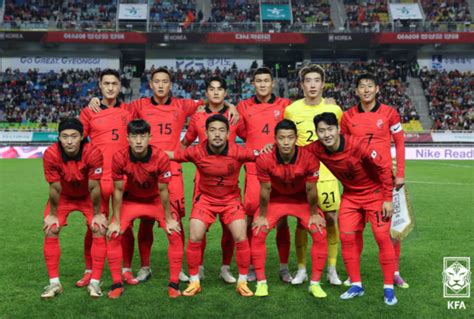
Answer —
115 135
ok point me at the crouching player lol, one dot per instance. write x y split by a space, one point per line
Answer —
288 177
368 185
218 162
145 195
73 169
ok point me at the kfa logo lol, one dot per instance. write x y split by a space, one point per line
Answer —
456 280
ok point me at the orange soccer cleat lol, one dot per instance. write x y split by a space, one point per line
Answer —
243 289
194 287
116 291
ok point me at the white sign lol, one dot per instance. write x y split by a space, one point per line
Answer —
456 277
133 11
438 153
56 63
453 137
450 62
405 11
199 63
16 136
402 218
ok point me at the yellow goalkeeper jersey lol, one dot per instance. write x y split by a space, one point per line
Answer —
303 115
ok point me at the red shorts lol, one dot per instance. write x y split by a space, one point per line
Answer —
152 210
353 215
279 209
176 191
207 212
68 205
106 192
251 194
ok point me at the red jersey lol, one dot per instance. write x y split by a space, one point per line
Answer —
359 167
143 174
73 173
107 130
197 126
166 120
288 180
259 119
377 128
219 173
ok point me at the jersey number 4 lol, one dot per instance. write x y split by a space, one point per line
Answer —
265 129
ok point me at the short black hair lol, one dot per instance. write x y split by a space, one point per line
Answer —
70 123
138 126
161 70
219 79
262 70
366 76
109 72
286 125
218 118
326 117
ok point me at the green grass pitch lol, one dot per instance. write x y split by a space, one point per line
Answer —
443 198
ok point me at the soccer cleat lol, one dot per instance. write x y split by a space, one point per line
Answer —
285 276
85 280
243 289
128 278
261 290
116 290
226 275
52 290
354 291
399 282
183 277
94 290
201 272
144 274
251 276
348 282
333 278
300 277
194 287
317 291
389 296
173 290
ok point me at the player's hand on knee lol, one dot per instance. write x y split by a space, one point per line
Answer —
51 225
113 229
172 225
99 224
94 105
318 222
399 182
260 223
387 210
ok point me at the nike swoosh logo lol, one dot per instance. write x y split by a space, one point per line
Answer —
299 122
396 128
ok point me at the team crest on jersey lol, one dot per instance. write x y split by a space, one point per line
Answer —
98 170
167 174
277 114
379 123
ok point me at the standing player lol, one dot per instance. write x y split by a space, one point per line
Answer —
288 177
368 185
73 169
107 130
302 112
260 114
377 124
216 91
218 163
145 195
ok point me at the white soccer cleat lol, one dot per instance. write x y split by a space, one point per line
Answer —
333 278
226 275
300 277
52 290
183 277
143 274
94 290
285 276
201 273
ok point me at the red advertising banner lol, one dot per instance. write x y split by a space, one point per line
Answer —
424 37
256 37
97 37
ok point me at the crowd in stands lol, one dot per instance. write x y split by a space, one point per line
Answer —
439 11
450 97
47 97
365 15
340 84
70 14
164 14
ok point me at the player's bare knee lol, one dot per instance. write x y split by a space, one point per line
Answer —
52 232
